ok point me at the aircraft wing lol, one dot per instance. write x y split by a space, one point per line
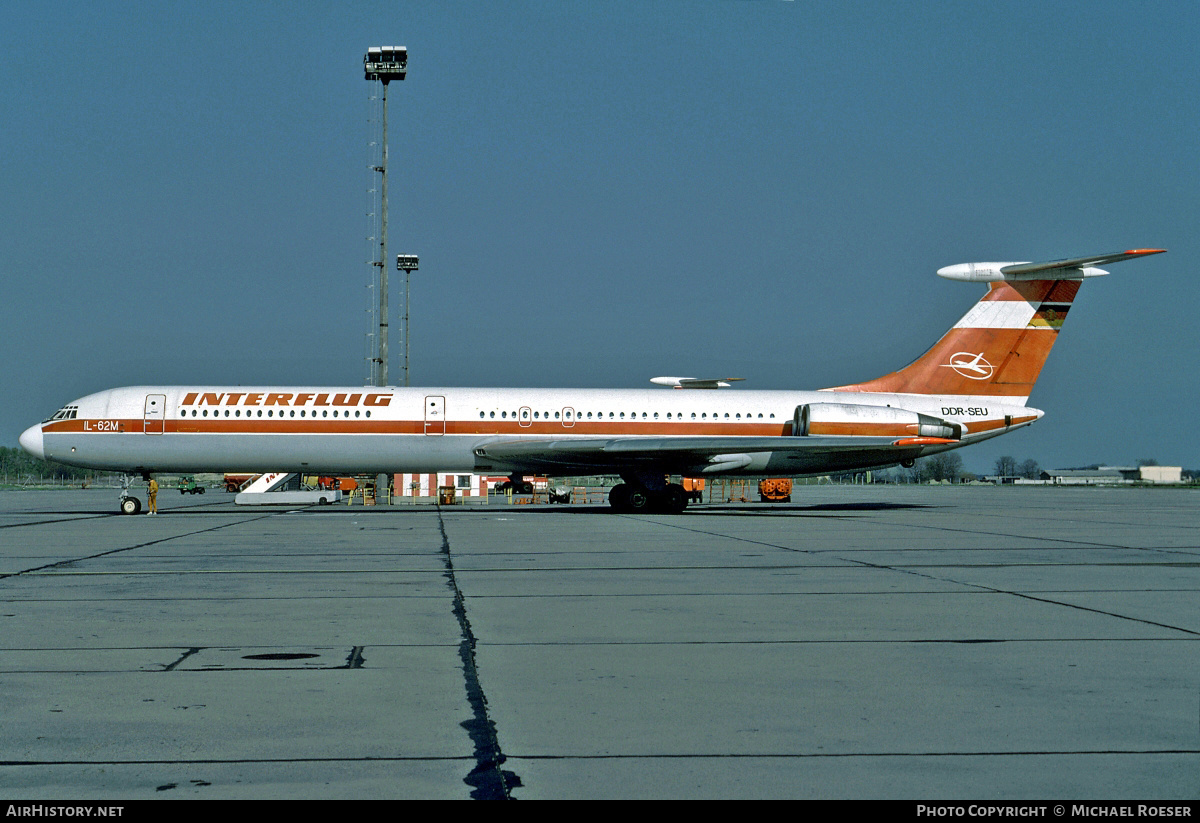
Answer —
699 454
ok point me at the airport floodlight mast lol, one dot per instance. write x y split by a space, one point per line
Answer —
406 263
384 64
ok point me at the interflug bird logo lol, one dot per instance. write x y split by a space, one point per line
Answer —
970 365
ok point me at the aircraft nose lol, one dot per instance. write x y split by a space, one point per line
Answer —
31 441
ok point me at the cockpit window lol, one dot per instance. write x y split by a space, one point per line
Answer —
65 413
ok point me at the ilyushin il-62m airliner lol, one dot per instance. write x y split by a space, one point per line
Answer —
972 385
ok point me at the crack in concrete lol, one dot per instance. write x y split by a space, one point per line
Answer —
490 781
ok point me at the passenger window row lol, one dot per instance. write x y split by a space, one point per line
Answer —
271 413
569 415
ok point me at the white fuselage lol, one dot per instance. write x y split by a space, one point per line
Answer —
371 430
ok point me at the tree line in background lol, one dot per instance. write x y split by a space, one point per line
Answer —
947 467
944 467
17 467
1008 467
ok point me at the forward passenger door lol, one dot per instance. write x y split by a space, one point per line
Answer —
435 415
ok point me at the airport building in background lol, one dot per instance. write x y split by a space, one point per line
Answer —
1112 476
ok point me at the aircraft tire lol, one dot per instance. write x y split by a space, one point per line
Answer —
130 505
673 499
618 497
640 500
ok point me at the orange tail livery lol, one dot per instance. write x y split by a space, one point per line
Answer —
998 348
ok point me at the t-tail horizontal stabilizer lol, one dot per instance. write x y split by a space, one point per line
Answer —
1072 269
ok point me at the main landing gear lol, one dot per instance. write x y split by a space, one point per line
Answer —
634 497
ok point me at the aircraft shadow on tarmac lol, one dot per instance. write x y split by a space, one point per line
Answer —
761 509
703 509
717 509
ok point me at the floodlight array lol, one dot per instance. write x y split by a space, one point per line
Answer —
385 63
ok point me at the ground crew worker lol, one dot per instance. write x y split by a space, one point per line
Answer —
153 495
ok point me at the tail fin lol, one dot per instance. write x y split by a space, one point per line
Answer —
999 347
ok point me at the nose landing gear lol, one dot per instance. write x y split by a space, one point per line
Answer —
128 503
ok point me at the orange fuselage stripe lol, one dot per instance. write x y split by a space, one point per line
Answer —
490 427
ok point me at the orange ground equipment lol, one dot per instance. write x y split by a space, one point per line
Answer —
775 490
236 482
694 486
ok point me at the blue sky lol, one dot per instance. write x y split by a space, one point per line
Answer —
601 193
